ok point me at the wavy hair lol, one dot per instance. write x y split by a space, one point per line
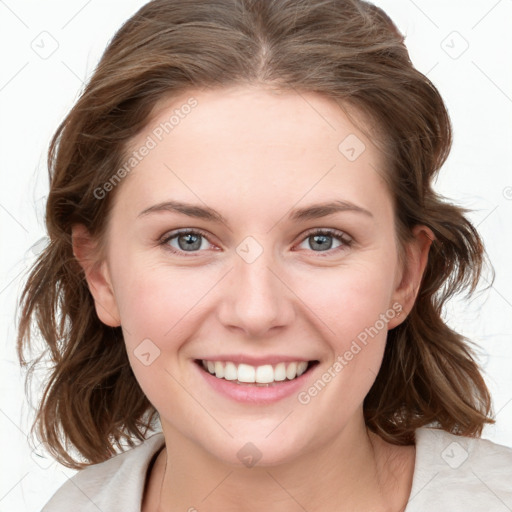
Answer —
347 50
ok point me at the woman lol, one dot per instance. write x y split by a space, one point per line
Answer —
246 246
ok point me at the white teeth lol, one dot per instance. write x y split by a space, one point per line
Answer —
246 373
291 371
280 372
230 372
219 370
301 368
264 374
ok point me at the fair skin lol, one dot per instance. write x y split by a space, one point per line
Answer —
253 155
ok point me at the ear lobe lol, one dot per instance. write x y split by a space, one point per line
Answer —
416 256
85 250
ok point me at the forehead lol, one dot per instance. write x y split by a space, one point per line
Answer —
254 142
252 115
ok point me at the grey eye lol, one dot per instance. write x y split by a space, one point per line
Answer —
320 242
188 241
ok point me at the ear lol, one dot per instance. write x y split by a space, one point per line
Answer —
85 249
409 281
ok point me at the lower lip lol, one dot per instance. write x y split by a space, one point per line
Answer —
248 393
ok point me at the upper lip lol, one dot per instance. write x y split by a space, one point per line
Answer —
255 361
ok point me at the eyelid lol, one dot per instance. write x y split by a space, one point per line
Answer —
329 231
171 234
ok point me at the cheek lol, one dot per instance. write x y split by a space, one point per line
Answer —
354 306
350 298
158 307
155 299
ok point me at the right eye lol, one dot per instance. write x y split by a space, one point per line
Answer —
185 240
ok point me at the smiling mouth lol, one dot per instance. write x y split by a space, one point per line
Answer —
264 375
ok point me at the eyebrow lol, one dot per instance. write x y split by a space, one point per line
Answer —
314 211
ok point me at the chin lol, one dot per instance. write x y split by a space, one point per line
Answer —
255 448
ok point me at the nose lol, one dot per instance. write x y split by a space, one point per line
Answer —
256 298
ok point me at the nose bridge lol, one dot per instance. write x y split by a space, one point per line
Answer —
257 300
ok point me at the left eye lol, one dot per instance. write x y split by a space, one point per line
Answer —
322 240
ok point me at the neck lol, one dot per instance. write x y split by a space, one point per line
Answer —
356 469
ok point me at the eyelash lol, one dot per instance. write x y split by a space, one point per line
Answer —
339 235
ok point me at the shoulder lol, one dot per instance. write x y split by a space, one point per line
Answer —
114 485
463 473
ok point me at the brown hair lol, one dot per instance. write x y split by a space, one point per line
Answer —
347 50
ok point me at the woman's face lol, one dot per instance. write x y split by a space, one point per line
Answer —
253 174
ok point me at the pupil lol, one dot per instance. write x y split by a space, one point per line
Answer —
321 242
191 242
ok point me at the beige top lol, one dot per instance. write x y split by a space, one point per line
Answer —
451 473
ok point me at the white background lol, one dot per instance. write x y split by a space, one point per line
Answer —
36 93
